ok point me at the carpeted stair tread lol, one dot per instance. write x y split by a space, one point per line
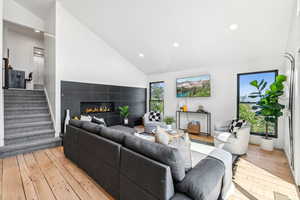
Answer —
25 101
23 125
29 134
26 147
16 117
26 108
27 122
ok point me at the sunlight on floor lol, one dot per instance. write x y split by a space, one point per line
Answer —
255 183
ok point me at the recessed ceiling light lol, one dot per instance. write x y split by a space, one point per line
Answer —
37 31
141 55
233 27
175 44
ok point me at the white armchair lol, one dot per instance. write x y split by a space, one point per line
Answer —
233 143
151 126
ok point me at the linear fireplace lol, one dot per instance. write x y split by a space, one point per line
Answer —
96 107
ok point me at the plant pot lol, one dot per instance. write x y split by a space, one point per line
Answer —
126 121
169 126
267 144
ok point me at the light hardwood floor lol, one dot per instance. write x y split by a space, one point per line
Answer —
47 174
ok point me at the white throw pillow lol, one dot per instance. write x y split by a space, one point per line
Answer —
85 118
161 136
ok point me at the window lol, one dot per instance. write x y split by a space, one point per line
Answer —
245 103
156 102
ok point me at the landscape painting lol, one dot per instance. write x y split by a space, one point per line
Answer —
198 86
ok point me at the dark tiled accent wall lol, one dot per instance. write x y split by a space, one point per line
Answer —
72 93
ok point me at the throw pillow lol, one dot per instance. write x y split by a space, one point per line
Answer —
154 116
236 124
161 136
183 144
99 121
85 118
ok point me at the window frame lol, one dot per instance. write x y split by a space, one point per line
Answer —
238 99
163 100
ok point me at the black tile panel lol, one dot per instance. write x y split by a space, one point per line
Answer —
72 93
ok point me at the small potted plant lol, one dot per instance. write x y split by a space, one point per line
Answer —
169 121
268 105
124 112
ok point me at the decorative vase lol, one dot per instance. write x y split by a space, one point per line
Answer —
169 126
125 121
267 144
67 119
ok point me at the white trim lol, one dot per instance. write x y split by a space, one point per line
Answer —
51 111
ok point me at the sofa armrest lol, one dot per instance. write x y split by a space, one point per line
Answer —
204 181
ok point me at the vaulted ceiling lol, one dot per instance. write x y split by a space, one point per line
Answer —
39 7
199 27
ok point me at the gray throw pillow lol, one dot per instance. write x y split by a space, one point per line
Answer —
113 134
76 123
158 152
184 148
91 127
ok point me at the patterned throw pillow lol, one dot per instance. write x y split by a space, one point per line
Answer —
154 116
236 124
99 121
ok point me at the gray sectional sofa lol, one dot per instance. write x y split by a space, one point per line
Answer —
130 168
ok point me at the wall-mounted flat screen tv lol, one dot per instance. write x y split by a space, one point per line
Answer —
198 86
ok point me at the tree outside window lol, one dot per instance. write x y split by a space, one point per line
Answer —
156 102
245 103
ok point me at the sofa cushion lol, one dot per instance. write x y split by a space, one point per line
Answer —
76 123
158 152
204 181
113 134
91 127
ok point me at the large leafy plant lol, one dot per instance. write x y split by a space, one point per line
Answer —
124 111
268 105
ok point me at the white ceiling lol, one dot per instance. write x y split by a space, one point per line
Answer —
38 7
200 27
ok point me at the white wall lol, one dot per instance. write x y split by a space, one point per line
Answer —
83 56
15 13
293 47
21 46
50 67
1 90
222 103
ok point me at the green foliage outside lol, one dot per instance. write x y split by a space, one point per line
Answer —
258 124
157 97
157 106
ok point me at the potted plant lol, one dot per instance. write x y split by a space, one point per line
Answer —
124 112
268 105
169 121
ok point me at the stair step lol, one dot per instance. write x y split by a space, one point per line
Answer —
28 136
18 101
26 118
25 104
24 98
27 127
24 92
25 110
26 147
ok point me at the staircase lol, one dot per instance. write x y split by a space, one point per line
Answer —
27 122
